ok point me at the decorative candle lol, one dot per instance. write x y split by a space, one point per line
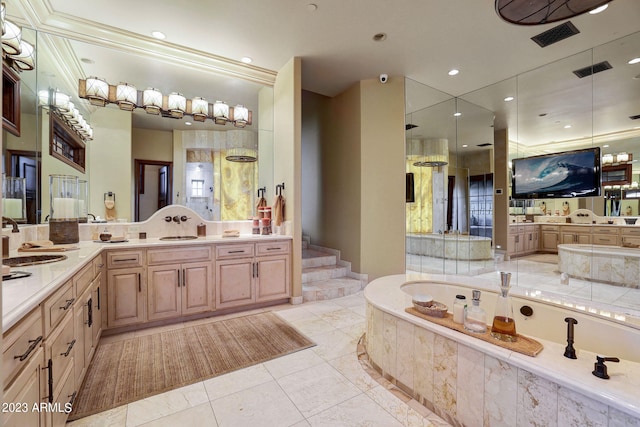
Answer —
64 208
12 208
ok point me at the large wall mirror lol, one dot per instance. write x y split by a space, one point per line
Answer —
584 101
141 160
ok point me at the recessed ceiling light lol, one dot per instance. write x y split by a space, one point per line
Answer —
158 35
605 146
187 123
633 61
379 37
567 126
542 114
246 60
509 98
457 114
453 72
464 145
87 60
598 9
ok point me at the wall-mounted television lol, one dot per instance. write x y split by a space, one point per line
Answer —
558 175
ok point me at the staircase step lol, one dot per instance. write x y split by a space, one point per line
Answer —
312 258
330 289
324 272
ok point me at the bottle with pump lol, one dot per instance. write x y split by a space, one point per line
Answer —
475 318
504 325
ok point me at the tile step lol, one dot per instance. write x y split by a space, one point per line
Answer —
325 272
330 289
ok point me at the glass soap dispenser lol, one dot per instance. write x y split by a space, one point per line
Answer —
475 318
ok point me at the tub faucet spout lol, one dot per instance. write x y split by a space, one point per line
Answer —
13 223
569 351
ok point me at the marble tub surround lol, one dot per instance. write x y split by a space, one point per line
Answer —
449 246
471 382
613 265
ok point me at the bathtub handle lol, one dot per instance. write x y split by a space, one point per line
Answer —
600 369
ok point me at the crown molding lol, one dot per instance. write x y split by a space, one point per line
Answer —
41 16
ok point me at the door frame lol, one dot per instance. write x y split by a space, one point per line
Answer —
139 165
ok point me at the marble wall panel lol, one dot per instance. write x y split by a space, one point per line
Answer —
575 409
470 386
405 354
500 393
632 271
445 374
537 404
423 346
620 419
390 345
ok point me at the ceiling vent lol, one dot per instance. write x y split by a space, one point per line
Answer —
636 117
556 34
486 144
409 126
592 69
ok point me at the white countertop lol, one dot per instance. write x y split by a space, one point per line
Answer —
20 296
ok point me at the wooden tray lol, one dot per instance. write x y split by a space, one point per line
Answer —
49 249
524 345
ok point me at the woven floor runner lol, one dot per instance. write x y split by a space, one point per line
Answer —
132 369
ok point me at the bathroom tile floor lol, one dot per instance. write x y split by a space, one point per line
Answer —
325 385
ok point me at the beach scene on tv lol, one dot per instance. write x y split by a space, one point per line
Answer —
567 174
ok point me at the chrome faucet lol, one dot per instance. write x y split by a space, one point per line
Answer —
13 223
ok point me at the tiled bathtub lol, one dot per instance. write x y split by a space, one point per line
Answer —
473 383
609 264
449 246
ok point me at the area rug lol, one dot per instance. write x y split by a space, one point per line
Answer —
131 369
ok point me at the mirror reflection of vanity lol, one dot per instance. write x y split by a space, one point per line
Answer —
543 111
147 161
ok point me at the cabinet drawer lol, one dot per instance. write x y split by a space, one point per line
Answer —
83 278
234 251
20 342
59 347
629 231
56 306
552 228
98 265
605 230
272 248
125 259
605 239
163 256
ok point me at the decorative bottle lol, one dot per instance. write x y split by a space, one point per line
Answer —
504 325
475 318
459 304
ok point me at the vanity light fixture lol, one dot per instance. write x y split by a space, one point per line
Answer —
199 109
126 96
19 53
151 100
240 116
60 105
177 105
220 113
97 91
607 159
11 38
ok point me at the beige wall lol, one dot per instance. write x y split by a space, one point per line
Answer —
383 177
112 144
148 144
287 116
501 182
361 175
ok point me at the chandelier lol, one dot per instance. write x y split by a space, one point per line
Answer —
536 12
19 53
175 105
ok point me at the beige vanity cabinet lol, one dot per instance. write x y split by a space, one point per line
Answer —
523 239
23 378
605 235
550 235
572 234
126 287
630 235
179 288
28 389
247 273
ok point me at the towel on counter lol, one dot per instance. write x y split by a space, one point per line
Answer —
278 210
231 233
36 244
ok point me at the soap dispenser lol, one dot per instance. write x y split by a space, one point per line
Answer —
475 318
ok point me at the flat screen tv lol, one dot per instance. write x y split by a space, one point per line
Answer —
559 175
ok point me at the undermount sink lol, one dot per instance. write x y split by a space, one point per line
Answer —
22 261
178 237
